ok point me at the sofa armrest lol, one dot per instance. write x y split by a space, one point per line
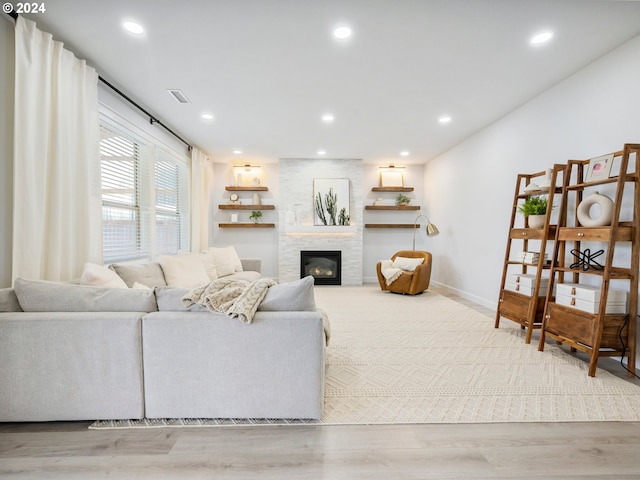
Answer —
251 264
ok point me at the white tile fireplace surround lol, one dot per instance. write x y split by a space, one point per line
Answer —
295 178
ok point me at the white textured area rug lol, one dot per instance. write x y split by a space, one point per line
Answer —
429 359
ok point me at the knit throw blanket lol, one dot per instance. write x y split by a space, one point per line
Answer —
237 298
389 272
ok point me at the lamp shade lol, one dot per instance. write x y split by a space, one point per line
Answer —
432 230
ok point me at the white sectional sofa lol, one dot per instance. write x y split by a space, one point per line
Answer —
76 352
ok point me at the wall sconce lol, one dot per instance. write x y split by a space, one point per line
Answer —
431 229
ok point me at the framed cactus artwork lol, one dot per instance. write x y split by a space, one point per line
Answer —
331 201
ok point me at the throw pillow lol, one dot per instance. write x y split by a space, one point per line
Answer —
407 264
149 274
185 270
44 296
141 286
100 276
290 297
235 259
223 261
210 265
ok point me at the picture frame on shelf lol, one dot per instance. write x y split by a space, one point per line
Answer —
599 168
391 178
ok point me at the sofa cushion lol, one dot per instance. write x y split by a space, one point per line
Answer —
222 260
149 274
294 296
100 276
407 264
170 300
44 296
186 270
9 300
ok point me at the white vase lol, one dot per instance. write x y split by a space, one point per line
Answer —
256 199
536 221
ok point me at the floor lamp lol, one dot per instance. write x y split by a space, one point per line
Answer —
431 229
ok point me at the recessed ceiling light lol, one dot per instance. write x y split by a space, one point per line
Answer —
237 152
133 27
404 153
342 33
445 119
541 38
327 118
207 116
322 152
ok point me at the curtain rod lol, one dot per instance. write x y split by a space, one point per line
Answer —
152 119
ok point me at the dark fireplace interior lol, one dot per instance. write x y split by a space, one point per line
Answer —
324 266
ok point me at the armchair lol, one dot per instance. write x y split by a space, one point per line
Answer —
410 283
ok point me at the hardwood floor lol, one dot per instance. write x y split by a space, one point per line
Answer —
68 450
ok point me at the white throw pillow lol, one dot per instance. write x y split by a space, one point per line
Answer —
226 260
100 276
210 265
407 264
141 286
186 271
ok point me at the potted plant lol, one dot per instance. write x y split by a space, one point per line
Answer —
256 215
402 200
535 209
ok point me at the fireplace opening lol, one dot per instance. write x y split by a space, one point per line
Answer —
324 266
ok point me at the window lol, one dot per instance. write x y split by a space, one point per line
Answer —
145 192
171 202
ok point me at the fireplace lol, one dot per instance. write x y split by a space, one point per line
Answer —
324 266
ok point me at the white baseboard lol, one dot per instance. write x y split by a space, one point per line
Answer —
467 296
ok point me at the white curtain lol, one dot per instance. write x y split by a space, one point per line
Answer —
201 177
57 205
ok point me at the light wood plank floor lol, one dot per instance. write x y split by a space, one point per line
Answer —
547 451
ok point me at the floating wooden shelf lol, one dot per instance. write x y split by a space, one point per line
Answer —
392 207
246 207
246 189
247 225
392 189
391 225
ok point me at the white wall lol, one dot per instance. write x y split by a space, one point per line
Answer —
6 146
381 244
470 188
249 242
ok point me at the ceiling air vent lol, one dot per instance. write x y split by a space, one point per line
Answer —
178 95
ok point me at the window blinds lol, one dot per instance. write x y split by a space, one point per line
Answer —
144 198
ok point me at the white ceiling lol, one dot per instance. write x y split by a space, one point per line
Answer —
268 69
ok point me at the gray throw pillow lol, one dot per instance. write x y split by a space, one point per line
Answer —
43 296
290 297
170 300
149 274
9 300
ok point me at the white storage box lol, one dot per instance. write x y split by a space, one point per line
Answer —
587 298
524 283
